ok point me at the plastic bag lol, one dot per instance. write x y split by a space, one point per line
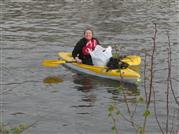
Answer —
100 56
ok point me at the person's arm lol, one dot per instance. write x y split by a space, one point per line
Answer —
76 51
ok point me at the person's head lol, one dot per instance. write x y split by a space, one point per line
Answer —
88 34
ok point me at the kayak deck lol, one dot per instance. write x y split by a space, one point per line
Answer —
99 71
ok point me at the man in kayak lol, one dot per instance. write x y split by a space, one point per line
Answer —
81 50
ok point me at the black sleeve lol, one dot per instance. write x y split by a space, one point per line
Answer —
77 49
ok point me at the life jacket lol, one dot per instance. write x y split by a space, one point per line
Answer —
89 45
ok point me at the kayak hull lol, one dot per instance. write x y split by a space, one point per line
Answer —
100 71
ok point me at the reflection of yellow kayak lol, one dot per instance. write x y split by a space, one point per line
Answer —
99 71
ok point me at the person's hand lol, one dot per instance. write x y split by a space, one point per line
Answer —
78 60
89 50
111 47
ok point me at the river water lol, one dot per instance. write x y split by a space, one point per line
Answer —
59 101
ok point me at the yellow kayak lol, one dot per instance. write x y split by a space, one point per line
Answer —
100 71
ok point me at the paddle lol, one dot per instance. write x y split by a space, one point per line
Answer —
132 60
55 63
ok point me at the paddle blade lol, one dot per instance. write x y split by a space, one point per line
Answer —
52 63
132 60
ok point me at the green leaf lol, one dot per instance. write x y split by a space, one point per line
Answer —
17 130
118 113
110 108
120 89
141 131
114 128
146 113
140 99
143 50
138 81
23 126
7 130
109 115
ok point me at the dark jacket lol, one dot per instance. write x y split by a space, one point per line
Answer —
77 51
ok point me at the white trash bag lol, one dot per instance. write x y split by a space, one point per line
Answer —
100 56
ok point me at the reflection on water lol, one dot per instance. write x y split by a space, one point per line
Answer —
84 83
89 98
87 84
52 80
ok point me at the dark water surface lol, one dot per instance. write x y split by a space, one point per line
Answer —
59 101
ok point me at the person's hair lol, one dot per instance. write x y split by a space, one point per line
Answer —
90 29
